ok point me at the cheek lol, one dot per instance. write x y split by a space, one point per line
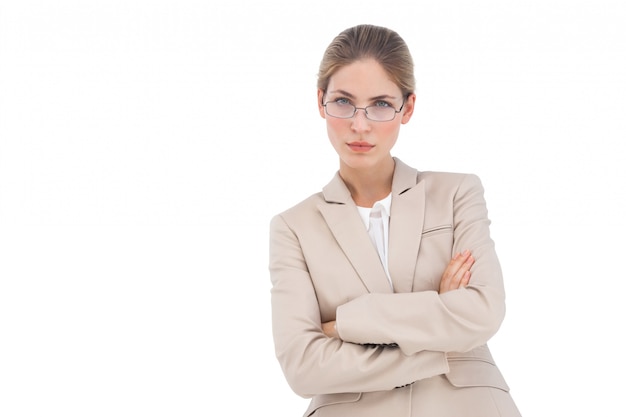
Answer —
390 131
335 127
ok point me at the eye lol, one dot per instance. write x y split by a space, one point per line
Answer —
381 103
342 101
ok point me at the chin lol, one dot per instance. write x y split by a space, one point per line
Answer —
360 161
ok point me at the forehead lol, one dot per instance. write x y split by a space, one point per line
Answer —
363 79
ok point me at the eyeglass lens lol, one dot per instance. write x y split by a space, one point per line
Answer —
346 111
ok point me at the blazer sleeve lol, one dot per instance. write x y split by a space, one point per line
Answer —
314 363
456 321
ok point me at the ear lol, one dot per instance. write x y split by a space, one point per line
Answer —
407 110
320 102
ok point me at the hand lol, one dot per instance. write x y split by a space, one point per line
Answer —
457 273
330 329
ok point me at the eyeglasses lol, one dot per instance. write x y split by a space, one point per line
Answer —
343 110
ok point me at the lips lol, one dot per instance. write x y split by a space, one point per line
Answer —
360 146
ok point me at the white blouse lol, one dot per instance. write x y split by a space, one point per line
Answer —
376 221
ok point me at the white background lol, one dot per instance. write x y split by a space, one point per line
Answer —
145 145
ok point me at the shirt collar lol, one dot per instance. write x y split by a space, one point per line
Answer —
384 206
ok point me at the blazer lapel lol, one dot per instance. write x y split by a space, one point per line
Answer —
342 217
405 226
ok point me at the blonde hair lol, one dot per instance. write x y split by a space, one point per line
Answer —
369 41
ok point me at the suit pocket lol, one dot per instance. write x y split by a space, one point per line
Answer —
475 373
435 230
330 399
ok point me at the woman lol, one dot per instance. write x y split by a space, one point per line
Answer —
386 285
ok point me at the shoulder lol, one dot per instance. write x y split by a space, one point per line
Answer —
434 180
307 211
303 211
446 177
406 177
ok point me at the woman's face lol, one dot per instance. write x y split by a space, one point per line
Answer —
362 143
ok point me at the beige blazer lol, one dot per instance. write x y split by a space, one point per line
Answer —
409 353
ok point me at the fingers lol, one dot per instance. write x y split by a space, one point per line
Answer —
465 279
330 329
457 274
463 274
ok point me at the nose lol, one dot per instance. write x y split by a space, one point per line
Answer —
360 122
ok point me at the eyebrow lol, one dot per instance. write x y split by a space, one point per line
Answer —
345 93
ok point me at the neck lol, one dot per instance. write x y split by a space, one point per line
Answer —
370 185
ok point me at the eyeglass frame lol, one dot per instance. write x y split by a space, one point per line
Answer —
365 110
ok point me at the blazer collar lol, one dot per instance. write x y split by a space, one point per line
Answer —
344 221
406 223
